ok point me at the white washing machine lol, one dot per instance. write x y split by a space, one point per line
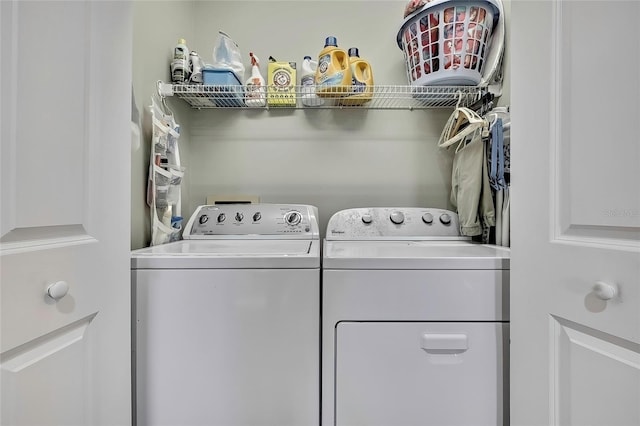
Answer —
227 320
414 322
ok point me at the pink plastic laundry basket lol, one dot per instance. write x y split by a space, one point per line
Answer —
446 42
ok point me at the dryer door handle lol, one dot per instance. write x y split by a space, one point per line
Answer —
444 343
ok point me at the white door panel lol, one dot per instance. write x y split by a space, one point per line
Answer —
64 120
595 162
54 356
575 213
593 373
48 56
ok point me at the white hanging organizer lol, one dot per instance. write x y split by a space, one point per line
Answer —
165 175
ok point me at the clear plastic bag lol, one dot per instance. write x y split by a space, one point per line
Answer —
226 55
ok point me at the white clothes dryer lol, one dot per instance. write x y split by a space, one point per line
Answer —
227 320
414 322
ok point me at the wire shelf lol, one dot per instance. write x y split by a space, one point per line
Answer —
382 97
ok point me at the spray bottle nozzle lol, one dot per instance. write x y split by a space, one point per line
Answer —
254 59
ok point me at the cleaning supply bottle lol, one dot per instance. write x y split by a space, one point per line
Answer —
361 80
333 76
256 90
180 63
195 68
308 83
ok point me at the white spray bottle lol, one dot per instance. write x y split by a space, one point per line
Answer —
256 90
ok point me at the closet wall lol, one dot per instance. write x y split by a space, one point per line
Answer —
157 27
333 159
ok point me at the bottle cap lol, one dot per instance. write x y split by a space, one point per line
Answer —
182 41
353 51
307 57
331 41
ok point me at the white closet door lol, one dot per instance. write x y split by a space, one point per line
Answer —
64 119
575 271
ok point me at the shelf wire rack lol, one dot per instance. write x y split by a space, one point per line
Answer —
388 97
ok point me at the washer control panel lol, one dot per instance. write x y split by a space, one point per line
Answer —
253 221
394 223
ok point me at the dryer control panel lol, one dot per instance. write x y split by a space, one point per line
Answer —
253 221
394 223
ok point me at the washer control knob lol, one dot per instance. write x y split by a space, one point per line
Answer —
239 217
293 218
427 218
397 217
203 219
445 218
366 218
257 216
221 217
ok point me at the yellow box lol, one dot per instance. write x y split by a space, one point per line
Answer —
281 84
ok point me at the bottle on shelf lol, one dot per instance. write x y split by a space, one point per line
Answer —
180 63
256 93
195 68
333 76
308 83
281 82
361 80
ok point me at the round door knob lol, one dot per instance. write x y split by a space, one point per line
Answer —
366 218
445 218
397 217
605 291
58 290
427 218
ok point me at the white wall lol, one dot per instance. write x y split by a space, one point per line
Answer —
333 159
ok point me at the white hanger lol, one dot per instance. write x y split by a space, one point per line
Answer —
462 123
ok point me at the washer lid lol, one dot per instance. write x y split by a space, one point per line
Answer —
413 255
212 254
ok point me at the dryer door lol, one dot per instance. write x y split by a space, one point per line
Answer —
426 373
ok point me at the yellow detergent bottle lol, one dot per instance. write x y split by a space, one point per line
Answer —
333 76
361 80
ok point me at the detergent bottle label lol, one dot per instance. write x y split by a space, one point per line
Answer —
358 86
328 74
333 79
307 80
324 63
